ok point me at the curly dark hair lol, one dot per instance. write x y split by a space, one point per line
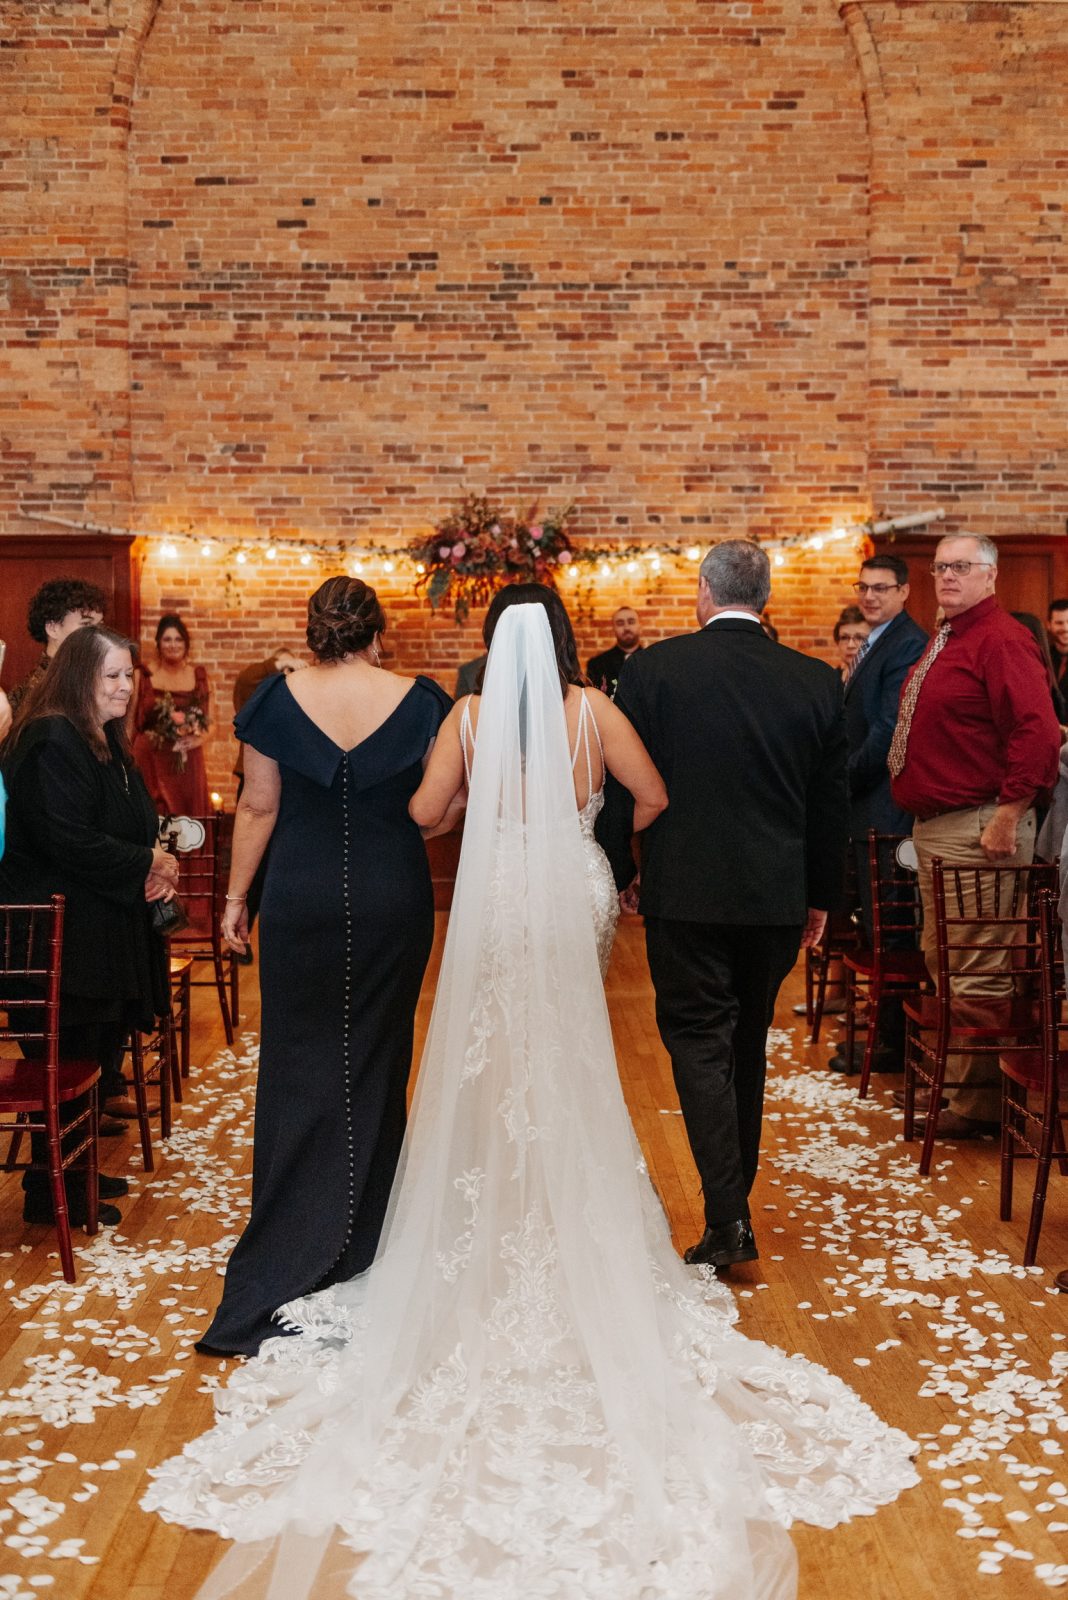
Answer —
68 689
343 617
525 594
56 598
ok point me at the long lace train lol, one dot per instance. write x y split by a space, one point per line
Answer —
528 1396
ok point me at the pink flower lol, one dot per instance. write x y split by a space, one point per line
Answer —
444 551
459 550
495 529
178 717
536 531
564 557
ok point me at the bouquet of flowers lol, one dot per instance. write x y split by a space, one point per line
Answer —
168 726
478 548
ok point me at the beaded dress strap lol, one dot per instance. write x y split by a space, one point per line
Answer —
466 737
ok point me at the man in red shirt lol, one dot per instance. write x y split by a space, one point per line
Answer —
976 740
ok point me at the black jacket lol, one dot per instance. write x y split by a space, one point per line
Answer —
749 738
871 701
74 829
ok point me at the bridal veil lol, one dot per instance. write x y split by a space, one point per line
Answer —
527 1396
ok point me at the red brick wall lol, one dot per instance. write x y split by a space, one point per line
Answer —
314 266
238 614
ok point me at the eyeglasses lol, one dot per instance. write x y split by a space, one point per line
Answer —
960 569
874 588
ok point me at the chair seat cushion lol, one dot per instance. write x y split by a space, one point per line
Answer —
22 1082
978 1018
180 965
896 966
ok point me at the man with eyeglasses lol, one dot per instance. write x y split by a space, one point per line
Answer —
976 741
872 692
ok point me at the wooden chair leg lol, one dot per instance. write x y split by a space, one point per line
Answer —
15 1146
875 994
187 1023
166 1054
934 1104
54 1142
235 991
137 1059
1038 1206
170 1034
823 964
221 987
92 1164
1009 1109
911 1050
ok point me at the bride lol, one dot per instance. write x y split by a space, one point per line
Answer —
528 1396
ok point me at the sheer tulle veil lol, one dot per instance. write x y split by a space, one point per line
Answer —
528 1395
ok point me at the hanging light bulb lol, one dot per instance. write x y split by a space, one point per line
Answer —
780 560
572 572
272 552
816 543
693 553
305 559
632 566
387 566
241 558
606 571
168 551
420 568
205 549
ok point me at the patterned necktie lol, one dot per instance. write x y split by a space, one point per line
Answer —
896 759
857 659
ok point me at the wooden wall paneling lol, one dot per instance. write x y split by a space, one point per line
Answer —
1032 571
110 560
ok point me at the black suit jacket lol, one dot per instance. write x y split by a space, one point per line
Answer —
750 740
871 701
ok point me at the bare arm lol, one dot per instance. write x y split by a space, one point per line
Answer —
257 812
440 798
628 760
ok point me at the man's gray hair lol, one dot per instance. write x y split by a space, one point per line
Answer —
738 573
985 549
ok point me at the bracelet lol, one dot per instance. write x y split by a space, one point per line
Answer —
237 897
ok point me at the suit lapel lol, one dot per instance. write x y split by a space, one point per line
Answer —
874 650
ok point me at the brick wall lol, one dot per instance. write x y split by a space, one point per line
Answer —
704 266
238 614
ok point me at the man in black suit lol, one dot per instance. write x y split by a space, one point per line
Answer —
872 692
740 869
603 670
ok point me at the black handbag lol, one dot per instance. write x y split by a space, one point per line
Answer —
169 917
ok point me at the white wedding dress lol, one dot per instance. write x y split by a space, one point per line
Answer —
528 1396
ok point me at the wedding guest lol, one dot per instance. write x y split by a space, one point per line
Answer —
172 717
282 660
59 607
332 757
1028 620
976 744
850 632
80 823
603 670
893 642
469 675
1058 640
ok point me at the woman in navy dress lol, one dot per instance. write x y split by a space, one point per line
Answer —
332 757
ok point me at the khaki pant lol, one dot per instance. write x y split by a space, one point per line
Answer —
955 837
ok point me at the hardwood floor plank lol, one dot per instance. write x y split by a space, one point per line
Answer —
906 1288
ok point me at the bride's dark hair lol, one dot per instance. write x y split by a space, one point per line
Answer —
527 594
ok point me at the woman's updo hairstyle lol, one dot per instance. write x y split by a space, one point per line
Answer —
343 617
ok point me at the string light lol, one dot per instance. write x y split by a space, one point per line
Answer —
586 556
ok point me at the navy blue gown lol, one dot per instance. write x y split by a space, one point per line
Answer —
346 927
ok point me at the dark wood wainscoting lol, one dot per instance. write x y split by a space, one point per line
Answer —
109 560
1032 571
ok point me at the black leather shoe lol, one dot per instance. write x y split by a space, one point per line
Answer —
724 1245
109 1188
40 1211
885 1061
109 1128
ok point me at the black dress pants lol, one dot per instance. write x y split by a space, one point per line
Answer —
716 986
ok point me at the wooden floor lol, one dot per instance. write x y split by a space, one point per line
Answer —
905 1287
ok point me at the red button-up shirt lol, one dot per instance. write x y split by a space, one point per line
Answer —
984 727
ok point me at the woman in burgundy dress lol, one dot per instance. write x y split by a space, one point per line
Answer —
172 717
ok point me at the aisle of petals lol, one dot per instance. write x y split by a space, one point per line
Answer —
886 1239
849 1191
